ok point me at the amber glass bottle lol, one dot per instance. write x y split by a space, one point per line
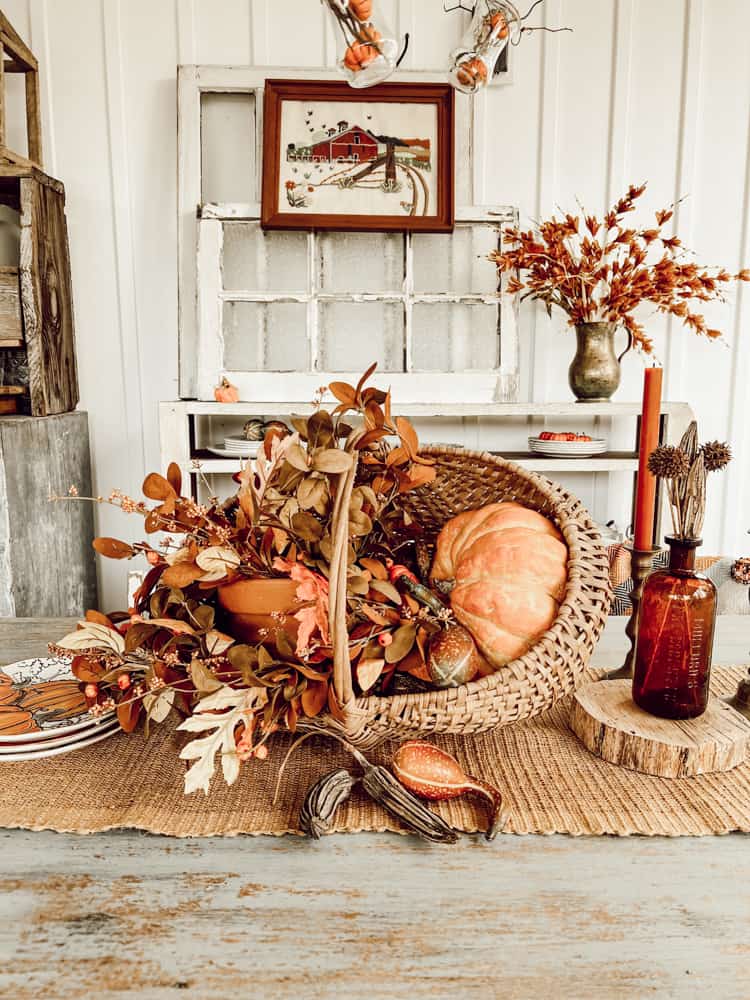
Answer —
675 637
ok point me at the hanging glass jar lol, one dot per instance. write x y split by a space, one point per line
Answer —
675 637
370 48
494 25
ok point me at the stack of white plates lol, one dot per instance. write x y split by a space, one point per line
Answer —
236 447
567 449
43 712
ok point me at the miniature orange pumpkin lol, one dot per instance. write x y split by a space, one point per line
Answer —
472 73
225 392
362 52
499 20
508 566
362 9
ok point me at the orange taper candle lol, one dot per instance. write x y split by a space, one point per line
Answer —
645 499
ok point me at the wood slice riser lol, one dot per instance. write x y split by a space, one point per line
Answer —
609 724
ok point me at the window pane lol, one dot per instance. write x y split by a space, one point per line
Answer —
360 262
455 262
260 336
228 148
453 336
257 261
354 334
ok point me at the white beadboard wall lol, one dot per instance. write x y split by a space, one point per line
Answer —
640 90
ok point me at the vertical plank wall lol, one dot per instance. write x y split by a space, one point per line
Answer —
640 90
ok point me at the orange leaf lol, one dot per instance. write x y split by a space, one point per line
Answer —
112 548
365 377
99 618
156 487
420 475
399 456
408 435
315 698
86 670
127 714
371 436
374 416
343 392
182 574
152 522
174 476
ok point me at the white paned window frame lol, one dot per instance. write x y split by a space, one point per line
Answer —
202 297
499 384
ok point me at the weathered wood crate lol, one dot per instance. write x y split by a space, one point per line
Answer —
47 565
37 351
37 343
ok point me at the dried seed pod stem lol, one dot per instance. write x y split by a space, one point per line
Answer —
322 801
388 792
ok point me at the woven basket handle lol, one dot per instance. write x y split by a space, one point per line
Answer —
342 668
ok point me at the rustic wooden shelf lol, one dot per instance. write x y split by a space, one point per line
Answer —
614 461
193 407
11 342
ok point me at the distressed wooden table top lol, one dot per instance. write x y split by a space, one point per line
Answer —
123 914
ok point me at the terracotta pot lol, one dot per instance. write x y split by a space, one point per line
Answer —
252 604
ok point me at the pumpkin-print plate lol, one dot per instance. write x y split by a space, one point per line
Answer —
84 740
41 698
49 743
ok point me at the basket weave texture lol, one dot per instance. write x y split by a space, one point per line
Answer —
524 687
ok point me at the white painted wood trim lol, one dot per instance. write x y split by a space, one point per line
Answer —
135 417
40 44
686 177
680 414
188 199
249 211
259 31
210 305
736 522
547 185
435 388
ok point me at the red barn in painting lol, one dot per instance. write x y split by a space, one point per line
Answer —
348 142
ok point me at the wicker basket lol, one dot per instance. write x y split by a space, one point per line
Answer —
523 688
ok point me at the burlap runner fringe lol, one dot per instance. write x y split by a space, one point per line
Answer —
551 783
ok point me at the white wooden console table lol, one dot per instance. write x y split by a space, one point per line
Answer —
188 427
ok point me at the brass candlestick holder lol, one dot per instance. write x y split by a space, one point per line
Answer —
640 567
740 700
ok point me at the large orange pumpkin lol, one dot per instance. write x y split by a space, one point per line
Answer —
509 565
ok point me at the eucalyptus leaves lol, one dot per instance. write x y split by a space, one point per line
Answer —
317 509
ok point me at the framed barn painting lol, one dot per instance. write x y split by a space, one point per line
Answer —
334 158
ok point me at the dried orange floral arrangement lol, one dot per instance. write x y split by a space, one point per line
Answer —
603 269
175 648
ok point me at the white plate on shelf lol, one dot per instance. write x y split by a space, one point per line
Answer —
87 741
22 692
222 452
567 449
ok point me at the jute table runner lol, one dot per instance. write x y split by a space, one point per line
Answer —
551 783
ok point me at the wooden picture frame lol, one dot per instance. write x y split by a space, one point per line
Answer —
344 161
